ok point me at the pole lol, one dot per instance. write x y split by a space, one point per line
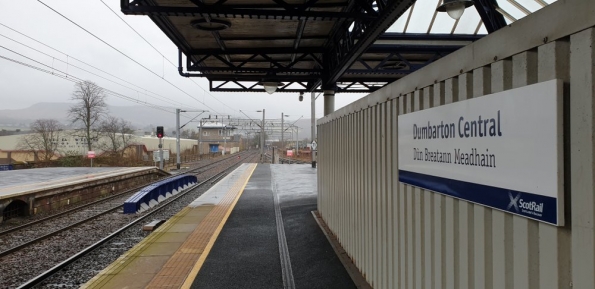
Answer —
178 138
313 130
262 139
160 154
282 133
200 140
224 135
297 141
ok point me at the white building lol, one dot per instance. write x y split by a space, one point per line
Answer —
72 145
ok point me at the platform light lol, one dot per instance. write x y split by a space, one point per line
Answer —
270 86
454 8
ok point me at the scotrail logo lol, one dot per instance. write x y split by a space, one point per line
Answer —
513 201
520 205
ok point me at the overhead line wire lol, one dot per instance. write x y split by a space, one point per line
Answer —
70 64
76 79
70 56
114 12
104 42
123 53
164 57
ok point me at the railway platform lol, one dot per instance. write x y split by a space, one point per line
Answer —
256 228
19 181
27 192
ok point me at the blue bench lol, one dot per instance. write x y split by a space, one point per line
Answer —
152 194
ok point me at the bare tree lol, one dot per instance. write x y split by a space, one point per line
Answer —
126 130
43 139
185 134
117 132
89 110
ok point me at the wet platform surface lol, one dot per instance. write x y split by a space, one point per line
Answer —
22 181
255 229
271 239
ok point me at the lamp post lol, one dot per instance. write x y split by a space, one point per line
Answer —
282 133
291 126
297 141
224 135
200 140
178 138
262 137
178 128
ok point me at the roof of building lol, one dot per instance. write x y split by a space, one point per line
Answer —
216 125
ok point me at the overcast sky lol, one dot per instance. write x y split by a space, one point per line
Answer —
22 86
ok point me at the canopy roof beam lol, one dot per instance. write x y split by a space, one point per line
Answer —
343 49
252 11
491 18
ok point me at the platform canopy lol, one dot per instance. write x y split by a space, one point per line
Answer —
315 45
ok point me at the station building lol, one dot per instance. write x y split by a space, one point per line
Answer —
216 137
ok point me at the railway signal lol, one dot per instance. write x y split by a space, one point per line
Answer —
160 132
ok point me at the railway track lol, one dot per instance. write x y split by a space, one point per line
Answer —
4 234
69 242
197 168
19 237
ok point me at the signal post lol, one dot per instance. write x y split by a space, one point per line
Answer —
160 137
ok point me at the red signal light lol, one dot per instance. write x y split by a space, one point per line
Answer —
160 132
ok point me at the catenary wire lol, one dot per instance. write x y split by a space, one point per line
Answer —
70 64
204 90
71 57
75 79
111 46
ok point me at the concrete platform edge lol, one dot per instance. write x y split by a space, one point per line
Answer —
197 266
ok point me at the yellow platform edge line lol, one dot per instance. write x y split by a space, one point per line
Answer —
125 259
194 272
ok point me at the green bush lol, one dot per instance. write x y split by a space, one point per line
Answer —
72 159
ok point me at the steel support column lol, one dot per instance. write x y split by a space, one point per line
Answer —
329 102
313 128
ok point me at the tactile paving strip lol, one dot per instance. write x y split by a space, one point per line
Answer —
194 250
162 260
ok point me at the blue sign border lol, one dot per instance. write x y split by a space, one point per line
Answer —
510 201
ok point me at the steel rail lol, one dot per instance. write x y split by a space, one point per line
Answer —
40 278
75 209
70 226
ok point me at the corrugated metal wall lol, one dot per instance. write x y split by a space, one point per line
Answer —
401 236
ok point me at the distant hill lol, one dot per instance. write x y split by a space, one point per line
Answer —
141 117
37 111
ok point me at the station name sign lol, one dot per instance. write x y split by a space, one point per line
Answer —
502 150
